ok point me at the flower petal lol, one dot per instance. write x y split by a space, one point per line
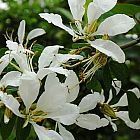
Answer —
72 83
54 95
136 91
21 31
89 102
66 135
57 21
77 8
117 85
47 55
115 25
99 7
13 46
109 48
29 88
44 134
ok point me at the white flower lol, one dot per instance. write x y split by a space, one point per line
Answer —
114 25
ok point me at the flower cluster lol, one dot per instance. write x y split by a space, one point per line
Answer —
50 90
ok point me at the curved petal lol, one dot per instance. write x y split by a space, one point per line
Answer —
125 117
109 48
89 121
136 91
47 55
72 83
99 7
29 88
66 114
11 79
54 95
21 31
89 102
44 134
77 8
57 21
115 25
11 103
66 135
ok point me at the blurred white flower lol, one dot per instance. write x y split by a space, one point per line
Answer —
3 5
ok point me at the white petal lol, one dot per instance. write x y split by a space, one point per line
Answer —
54 95
57 21
122 102
102 97
21 31
77 8
116 24
47 55
117 85
89 102
11 103
4 61
66 114
89 121
45 71
99 7
72 83
35 33
66 135
136 91
59 59
125 117
109 48
29 88
103 122
44 134
114 126
13 46
11 78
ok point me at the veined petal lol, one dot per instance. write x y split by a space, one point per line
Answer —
57 21
29 88
72 83
21 31
99 7
89 121
11 79
136 91
116 24
13 46
54 95
109 48
89 102
11 103
44 134
66 135
77 8
125 117
47 55
66 114
45 71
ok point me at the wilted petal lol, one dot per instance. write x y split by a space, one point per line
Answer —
44 134
57 21
116 24
47 55
72 83
66 135
29 88
89 102
77 8
66 114
125 117
136 91
54 95
109 48
11 103
99 7
21 31
11 79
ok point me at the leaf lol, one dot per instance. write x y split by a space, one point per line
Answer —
79 45
133 106
6 129
22 133
35 33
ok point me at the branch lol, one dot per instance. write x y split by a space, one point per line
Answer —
130 44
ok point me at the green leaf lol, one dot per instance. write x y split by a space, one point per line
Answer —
79 45
133 106
22 133
6 129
